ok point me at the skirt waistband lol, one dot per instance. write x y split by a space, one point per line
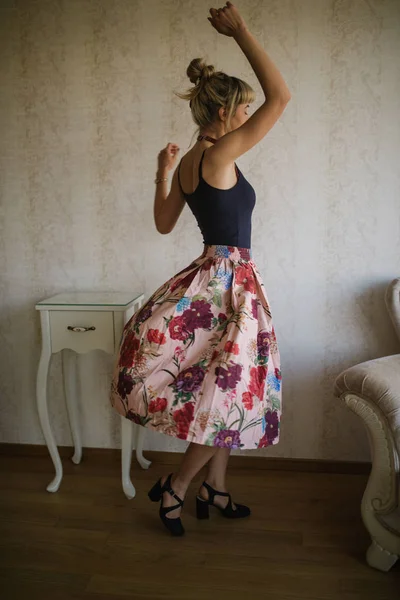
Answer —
232 252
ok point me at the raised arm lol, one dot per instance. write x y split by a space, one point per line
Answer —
229 22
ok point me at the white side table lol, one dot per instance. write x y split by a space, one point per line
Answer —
84 321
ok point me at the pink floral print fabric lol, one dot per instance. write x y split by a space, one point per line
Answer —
200 360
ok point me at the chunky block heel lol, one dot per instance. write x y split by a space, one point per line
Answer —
156 492
202 508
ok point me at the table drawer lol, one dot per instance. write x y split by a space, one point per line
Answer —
99 338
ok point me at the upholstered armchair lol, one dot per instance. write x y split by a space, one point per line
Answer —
372 390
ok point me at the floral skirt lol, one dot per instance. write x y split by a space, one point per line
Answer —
199 360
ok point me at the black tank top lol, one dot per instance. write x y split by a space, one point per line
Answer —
223 216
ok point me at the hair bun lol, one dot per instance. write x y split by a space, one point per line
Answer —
198 70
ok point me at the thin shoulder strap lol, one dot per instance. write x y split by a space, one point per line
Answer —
179 177
200 164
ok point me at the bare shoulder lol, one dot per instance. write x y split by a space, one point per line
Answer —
240 140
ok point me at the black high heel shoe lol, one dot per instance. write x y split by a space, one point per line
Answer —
155 494
202 506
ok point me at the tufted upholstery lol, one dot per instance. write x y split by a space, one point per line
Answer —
378 381
372 390
392 300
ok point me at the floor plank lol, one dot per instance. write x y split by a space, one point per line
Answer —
304 541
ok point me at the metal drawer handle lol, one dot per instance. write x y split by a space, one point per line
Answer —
79 329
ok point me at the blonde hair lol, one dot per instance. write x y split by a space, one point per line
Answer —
212 90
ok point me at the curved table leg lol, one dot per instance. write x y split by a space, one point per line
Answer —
139 439
41 400
126 457
71 397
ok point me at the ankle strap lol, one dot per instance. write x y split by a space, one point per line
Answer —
213 492
167 488
168 509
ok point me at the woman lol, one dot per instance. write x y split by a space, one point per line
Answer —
199 360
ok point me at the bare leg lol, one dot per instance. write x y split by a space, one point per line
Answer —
216 476
196 456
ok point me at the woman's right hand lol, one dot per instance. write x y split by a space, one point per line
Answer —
227 20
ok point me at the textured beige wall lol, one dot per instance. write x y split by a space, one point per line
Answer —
86 105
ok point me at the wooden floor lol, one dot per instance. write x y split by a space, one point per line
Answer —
304 540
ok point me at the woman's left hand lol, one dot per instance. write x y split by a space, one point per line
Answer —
167 157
